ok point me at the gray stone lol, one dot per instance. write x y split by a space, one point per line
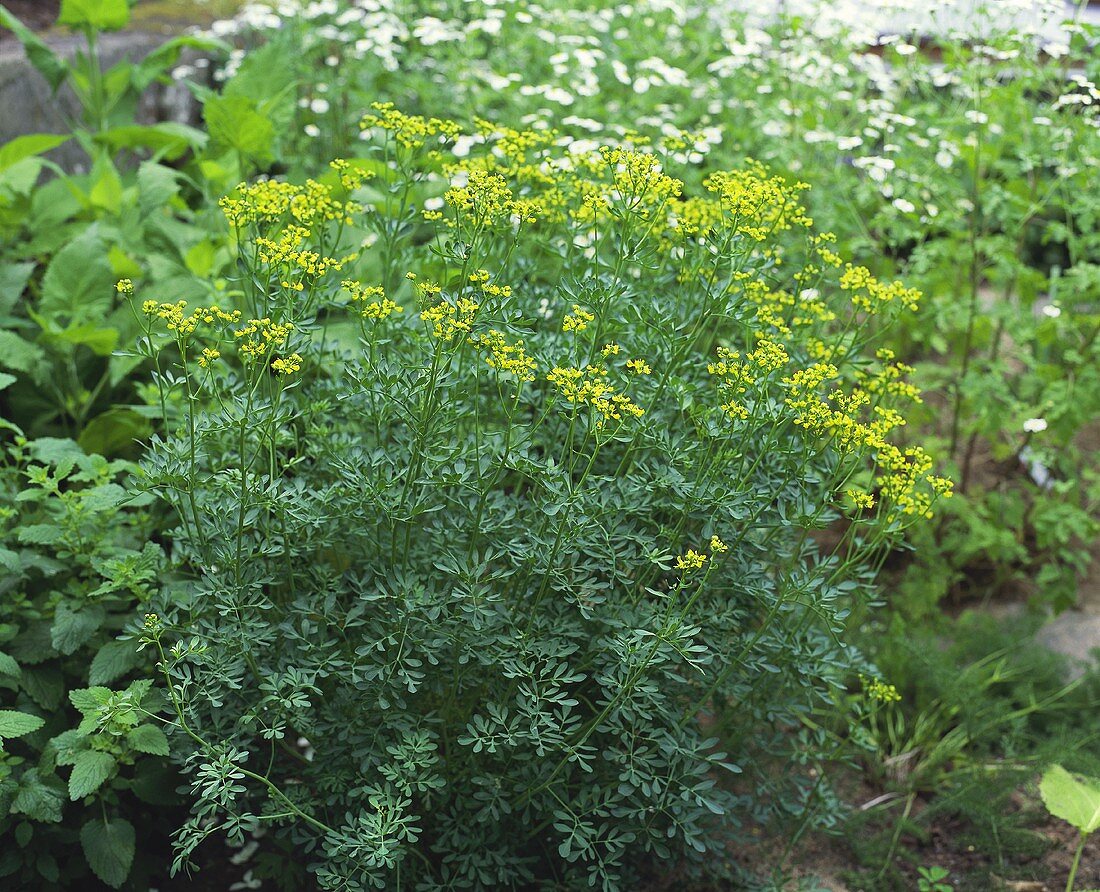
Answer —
27 105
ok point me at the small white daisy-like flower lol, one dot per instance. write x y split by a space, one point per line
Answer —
1052 311
1035 425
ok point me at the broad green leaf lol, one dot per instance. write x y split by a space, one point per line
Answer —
1073 799
106 191
109 847
79 283
103 15
10 559
40 534
18 354
234 123
115 658
16 724
114 431
9 665
45 61
89 700
26 146
73 628
90 770
168 140
148 739
157 186
40 798
13 280
7 380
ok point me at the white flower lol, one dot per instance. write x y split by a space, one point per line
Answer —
1035 425
1052 311
906 207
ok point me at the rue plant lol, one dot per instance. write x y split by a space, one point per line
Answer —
496 520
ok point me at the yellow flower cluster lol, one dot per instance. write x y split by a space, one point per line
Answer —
691 560
269 201
177 319
589 386
371 300
287 255
880 691
485 198
449 319
288 365
637 178
871 295
124 286
504 357
409 131
209 355
577 320
259 336
610 350
717 546
638 366
481 279
862 500
759 203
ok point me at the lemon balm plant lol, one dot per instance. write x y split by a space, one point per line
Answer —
491 514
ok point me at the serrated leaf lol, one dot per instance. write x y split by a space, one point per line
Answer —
89 700
40 798
115 658
40 534
90 770
73 628
9 665
79 282
109 847
235 123
16 724
1073 799
148 739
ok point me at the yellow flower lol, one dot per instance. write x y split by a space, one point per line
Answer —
578 320
638 366
124 286
288 365
717 546
691 560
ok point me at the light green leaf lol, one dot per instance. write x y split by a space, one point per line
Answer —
16 724
234 123
103 15
106 192
90 770
26 146
109 848
45 61
148 739
1073 799
89 700
7 380
79 282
